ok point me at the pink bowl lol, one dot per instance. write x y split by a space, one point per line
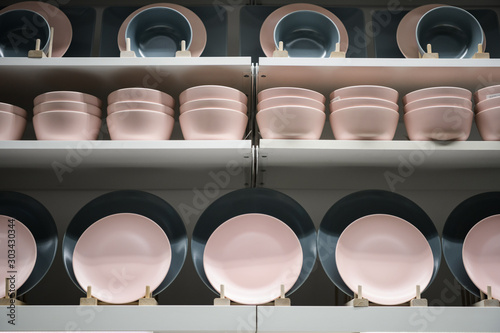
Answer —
213 124
139 106
484 93
291 122
67 106
380 92
488 124
364 123
12 126
362 101
74 96
212 91
436 92
438 101
486 104
439 123
13 109
213 103
66 125
290 101
141 95
140 125
290 91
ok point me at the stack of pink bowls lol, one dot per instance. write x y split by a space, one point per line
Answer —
364 113
67 115
213 112
140 114
12 122
290 113
438 113
488 112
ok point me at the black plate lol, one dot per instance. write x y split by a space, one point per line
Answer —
458 225
362 203
256 200
38 220
129 201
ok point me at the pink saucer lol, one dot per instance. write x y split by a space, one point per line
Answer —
385 255
252 255
119 255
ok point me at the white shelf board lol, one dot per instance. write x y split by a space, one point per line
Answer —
316 319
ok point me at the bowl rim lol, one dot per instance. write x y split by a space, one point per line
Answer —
312 100
373 107
113 114
213 109
78 113
316 93
114 95
414 92
14 109
440 107
42 97
293 107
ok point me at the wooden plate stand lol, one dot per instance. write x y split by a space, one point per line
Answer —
37 53
281 301
359 301
147 300
10 298
487 300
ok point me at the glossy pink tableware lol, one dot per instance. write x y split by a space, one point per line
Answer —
119 255
139 106
385 255
438 101
141 95
291 122
437 92
140 125
22 259
54 96
5 107
215 103
442 123
486 104
486 93
290 101
252 255
370 91
212 91
481 255
66 125
290 92
364 123
12 126
67 106
213 124
488 124
362 101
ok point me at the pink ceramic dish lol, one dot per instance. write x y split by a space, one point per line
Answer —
487 104
442 123
216 103
252 255
381 92
290 101
436 92
486 93
66 125
212 91
12 126
364 123
140 106
25 252
13 109
141 95
74 96
119 255
213 124
291 122
488 124
290 92
438 101
385 255
362 101
67 106
140 125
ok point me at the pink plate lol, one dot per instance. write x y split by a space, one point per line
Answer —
481 254
487 104
54 96
119 255
252 255
141 95
488 124
370 91
362 101
212 91
13 109
290 101
288 92
25 254
12 126
438 101
436 92
486 93
385 255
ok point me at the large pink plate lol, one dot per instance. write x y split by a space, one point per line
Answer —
252 255
21 248
267 29
121 254
385 255
481 254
